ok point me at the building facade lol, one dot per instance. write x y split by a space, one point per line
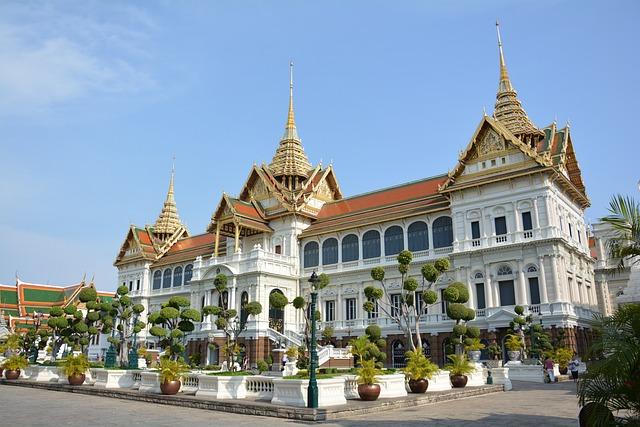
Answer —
509 216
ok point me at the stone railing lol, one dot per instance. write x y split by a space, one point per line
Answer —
260 387
190 382
137 379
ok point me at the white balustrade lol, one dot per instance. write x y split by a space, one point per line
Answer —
260 387
190 382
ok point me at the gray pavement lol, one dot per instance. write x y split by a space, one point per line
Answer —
526 405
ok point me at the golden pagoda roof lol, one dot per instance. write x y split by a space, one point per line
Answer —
169 220
290 158
508 109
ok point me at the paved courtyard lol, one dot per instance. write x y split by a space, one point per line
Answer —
526 405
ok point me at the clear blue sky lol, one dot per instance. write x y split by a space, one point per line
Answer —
96 98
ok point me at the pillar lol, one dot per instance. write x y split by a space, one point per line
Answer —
542 281
488 292
521 284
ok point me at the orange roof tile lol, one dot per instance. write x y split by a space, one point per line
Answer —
384 197
246 209
192 242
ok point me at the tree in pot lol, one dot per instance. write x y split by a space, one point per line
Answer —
74 367
473 347
563 355
458 368
367 387
419 370
170 375
514 345
13 365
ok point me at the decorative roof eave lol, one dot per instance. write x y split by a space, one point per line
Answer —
571 188
543 160
180 233
142 254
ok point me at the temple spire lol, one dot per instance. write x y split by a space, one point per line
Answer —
290 161
168 221
508 109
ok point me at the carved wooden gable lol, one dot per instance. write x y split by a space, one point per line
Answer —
490 143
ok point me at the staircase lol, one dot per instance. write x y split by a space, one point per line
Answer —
325 353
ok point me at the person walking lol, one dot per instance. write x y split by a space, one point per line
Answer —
548 366
573 366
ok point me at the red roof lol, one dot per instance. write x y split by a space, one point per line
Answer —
385 197
246 209
193 242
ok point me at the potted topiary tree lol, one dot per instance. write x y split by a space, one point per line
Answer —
74 367
367 387
473 347
292 354
458 369
419 370
170 375
513 345
562 357
13 365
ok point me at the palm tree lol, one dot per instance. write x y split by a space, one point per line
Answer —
612 383
624 218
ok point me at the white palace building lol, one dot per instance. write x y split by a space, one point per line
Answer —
509 216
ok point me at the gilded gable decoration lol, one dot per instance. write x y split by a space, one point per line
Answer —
491 142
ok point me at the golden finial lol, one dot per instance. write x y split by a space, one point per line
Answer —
504 75
291 122
484 110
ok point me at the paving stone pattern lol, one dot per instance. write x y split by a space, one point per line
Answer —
526 405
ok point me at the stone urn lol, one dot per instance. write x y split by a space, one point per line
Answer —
12 374
458 381
369 391
170 387
474 355
418 386
513 355
76 379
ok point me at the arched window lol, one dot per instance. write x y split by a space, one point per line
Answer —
371 244
213 353
478 275
157 280
504 270
177 276
330 251
350 248
418 236
393 240
244 300
397 350
276 315
166 278
311 254
442 232
532 269
188 273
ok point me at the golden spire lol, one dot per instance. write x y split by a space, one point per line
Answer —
508 109
168 221
290 158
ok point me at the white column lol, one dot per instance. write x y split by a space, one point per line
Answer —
488 291
339 249
542 281
470 286
535 218
430 233
556 279
521 285
319 254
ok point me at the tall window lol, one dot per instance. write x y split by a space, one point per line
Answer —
507 293
442 232
166 278
311 254
418 236
570 230
374 313
188 273
350 248
177 276
130 285
330 251
395 304
526 221
475 230
501 225
393 240
138 285
443 304
329 311
534 290
371 244
157 280
244 315
480 295
351 308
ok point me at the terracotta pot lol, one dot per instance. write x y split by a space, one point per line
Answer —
369 391
76 379
563 371
458 381
170 387
1 369
419 386
12 375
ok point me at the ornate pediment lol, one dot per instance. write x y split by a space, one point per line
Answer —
490 143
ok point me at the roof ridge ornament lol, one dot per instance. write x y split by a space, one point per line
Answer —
168 221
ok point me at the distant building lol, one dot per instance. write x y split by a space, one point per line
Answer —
509 216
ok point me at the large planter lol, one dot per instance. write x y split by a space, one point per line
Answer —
474 355
222 387
419 386
11 374
440 381
478 377
369 392
113 378
149 382
76 379
501 377
294 392
46 374
392 386
458 381
513 355
170 387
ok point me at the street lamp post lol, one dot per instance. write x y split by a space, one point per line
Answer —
312 395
